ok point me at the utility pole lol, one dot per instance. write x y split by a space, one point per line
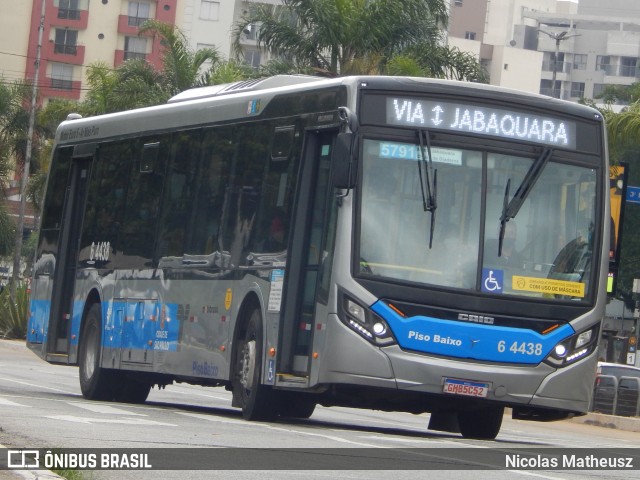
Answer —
27 161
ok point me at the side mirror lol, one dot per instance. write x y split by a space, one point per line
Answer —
343 163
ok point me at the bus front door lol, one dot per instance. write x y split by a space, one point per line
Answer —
311 252
58 337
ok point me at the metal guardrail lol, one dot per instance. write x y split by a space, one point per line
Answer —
616 396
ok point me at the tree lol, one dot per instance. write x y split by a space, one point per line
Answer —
14 119
134 84
623 131
182 68
338 37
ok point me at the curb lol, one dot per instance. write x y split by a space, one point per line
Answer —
629 424
39 474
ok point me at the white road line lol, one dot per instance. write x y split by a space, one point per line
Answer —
124 421
37 385
4 401
105 409
279 429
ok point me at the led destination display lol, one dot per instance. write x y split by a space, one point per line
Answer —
481 120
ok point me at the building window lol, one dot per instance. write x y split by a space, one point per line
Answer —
61 76
66 41
138 13
598 89
546 88
580 61
252 57
69 9
209 10
603 62
457 3
628 67
577 89
470 35
550 63
135 47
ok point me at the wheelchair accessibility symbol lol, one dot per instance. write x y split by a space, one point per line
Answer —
492 280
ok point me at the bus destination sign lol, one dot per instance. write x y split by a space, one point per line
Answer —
481 120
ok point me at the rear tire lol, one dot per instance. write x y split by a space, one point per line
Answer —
96 383
256 400
131 390
481 424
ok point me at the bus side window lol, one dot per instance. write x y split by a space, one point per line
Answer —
106 199
243 191
142 206
179 191
214 163
57 186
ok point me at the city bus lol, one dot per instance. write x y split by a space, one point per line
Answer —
388 243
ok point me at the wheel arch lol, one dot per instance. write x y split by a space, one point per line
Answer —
249 302
92 298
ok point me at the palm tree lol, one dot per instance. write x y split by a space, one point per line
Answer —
338 37
182 67
14 119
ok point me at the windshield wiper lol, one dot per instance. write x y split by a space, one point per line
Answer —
511 208
429 202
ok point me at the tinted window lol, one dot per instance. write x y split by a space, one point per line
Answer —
143 204
56 188
179 192
106 198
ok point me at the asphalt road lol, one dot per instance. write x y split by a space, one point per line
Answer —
41 407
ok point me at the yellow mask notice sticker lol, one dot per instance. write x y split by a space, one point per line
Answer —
547 285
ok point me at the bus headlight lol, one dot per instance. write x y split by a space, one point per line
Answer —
574 348
364 322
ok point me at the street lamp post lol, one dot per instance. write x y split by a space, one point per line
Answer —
558 37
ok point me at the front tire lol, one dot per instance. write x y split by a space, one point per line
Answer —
256 400
296 405
481 424
96 383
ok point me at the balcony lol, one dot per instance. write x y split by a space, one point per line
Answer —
629 71
69 14
73 54
122 56
561 67
130 25
55 87
76 19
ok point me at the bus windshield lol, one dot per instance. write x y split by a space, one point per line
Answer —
547 245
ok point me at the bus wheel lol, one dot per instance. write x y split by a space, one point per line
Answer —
296 405
96 383
254 399
132 390
481 424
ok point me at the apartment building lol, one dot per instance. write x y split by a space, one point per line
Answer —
77 33
209 23
601 47
566 49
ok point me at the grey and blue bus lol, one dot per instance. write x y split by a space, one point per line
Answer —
388 243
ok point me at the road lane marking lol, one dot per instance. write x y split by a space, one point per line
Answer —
105 409
123 421
9 403
279 429
37 386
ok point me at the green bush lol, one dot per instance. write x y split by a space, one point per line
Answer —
14 315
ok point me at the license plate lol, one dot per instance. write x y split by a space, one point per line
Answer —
464 387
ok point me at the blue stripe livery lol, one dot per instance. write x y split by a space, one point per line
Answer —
470 340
